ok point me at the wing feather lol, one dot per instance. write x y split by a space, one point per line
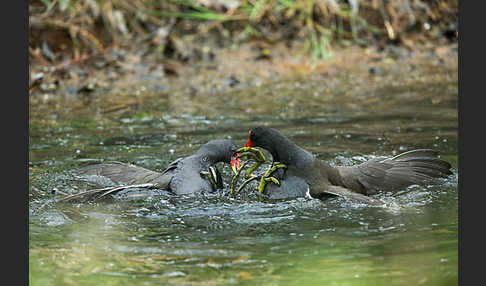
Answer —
419 166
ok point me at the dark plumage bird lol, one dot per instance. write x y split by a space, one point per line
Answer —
182 176
304 173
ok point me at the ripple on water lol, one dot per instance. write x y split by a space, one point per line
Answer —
187 240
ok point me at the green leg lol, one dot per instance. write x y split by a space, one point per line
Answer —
212 176
259 158
245 183
254 154
233 181
266 177
248 173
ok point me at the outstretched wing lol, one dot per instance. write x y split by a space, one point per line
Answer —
349 195
419 166
123 173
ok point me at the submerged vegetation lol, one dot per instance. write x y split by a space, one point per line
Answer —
74 30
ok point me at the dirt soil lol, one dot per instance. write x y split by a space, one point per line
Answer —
119 75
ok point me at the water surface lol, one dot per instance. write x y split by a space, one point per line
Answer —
165 240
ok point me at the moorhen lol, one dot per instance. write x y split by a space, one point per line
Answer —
297 173
188 175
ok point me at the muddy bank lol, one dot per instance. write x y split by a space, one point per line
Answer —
124 84
79 51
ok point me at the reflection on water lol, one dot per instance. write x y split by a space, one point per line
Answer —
161 239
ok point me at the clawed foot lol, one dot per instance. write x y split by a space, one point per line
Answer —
267 176
214 177
252 153
259 158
